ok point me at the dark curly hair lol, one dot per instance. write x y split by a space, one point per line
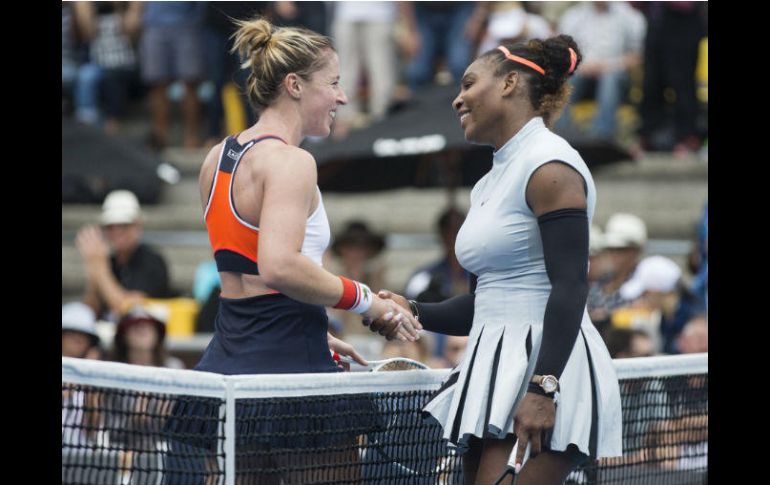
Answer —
548 92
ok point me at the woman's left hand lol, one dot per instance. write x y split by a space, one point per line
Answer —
346 349
533 424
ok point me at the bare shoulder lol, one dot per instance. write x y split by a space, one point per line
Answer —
210 162
555 185
288 161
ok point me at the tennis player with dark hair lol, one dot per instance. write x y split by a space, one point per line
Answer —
268 230
535 368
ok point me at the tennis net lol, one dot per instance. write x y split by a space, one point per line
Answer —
135 425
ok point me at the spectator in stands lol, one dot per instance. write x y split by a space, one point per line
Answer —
135 420
700 286
79 340
444 278
363 34
650 298
454 350
611 35
624 343
447 30
140 339
446 274
358 249
69 56
418 350
597 256
172 50
206 289
78 332
674 30
509 22
624 238
133 271
310 15
224 65
695 336
110 28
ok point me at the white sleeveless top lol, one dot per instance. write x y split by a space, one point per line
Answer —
500 239
317 232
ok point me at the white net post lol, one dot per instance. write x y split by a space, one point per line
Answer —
229 433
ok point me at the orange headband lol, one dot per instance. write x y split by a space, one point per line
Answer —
521 60
572 60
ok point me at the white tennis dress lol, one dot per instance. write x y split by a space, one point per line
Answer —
500 243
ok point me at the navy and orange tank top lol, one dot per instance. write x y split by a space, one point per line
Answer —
233 240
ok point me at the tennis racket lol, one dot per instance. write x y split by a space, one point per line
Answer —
510 468
396 363
385 454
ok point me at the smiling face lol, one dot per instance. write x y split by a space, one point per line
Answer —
321 97
479 103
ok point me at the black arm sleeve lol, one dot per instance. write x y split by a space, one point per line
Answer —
564 233
450 317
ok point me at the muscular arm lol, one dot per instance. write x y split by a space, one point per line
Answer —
116 297
556 194
289 187
100 281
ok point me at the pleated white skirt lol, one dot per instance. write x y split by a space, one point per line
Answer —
481 395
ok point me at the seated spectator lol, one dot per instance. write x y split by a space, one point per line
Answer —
695 336
78 332
140 339
651 296
444 278
79 340
610 36
449 277
418 350
454 349
509 22
132 272
135 420
624 238
598 266
624 343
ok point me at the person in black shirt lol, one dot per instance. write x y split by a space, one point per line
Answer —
133 271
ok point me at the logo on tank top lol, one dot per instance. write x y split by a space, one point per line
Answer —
233 154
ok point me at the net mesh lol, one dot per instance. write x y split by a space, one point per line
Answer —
128 425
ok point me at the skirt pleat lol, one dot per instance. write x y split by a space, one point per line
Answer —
481 394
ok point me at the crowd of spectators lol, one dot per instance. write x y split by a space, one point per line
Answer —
160 52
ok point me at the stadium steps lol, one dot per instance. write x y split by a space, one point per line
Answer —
667 193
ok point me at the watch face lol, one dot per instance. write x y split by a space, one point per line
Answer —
550 384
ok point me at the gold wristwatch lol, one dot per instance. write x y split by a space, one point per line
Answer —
550 384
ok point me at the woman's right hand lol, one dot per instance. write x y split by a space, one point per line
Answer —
386 310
